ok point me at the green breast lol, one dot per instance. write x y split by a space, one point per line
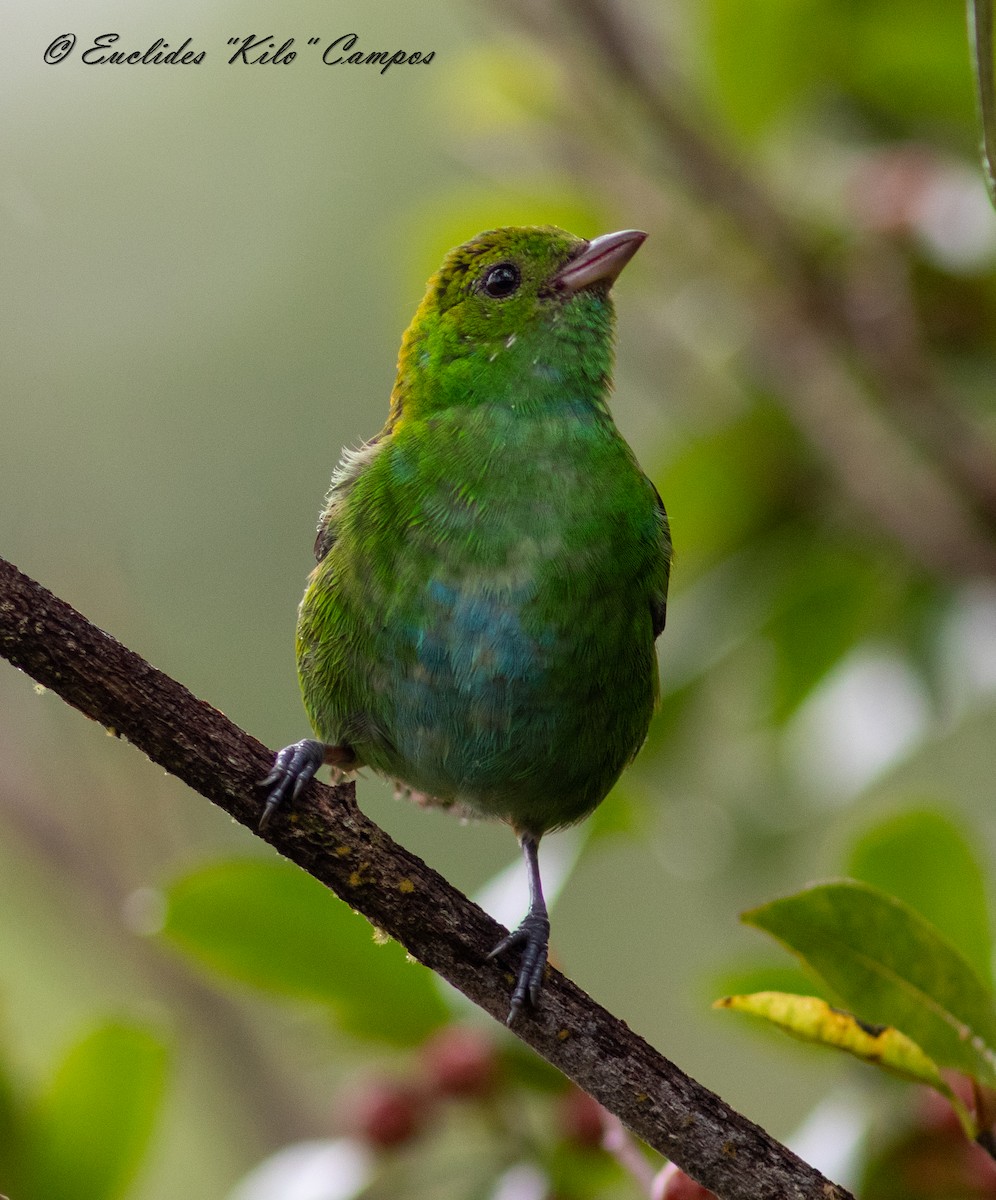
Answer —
482 627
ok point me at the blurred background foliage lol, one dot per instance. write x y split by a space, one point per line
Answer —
206 274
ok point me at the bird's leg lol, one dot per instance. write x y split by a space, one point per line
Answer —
295 768
533 935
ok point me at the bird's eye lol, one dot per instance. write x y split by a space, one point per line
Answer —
501 281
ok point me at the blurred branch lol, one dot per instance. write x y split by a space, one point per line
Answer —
925 448
712 175
883 474
332 840
276 1107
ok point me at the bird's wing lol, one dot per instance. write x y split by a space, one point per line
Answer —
658 599
326 536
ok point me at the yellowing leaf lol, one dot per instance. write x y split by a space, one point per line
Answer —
885 961
813 1020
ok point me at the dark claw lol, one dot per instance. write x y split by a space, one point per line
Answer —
293 770
533 935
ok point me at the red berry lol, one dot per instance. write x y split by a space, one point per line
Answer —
386 1113
581 1118
461 1062
980 1171
935 1111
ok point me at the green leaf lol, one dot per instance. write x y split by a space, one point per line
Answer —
926 860
829 596
887 963
93 1123
909 58
727 486
813 1020
904 60
762 57
271 925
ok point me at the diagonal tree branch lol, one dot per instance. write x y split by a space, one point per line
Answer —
332 840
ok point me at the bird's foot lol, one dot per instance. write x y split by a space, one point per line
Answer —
294 769
533 935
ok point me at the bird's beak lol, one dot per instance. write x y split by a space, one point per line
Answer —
600 261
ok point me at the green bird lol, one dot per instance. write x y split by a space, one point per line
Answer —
493 565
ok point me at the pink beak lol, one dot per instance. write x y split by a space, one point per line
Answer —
600 261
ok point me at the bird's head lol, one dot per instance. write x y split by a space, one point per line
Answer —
511 308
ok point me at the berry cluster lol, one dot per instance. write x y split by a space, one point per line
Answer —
456 1064
462 1065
